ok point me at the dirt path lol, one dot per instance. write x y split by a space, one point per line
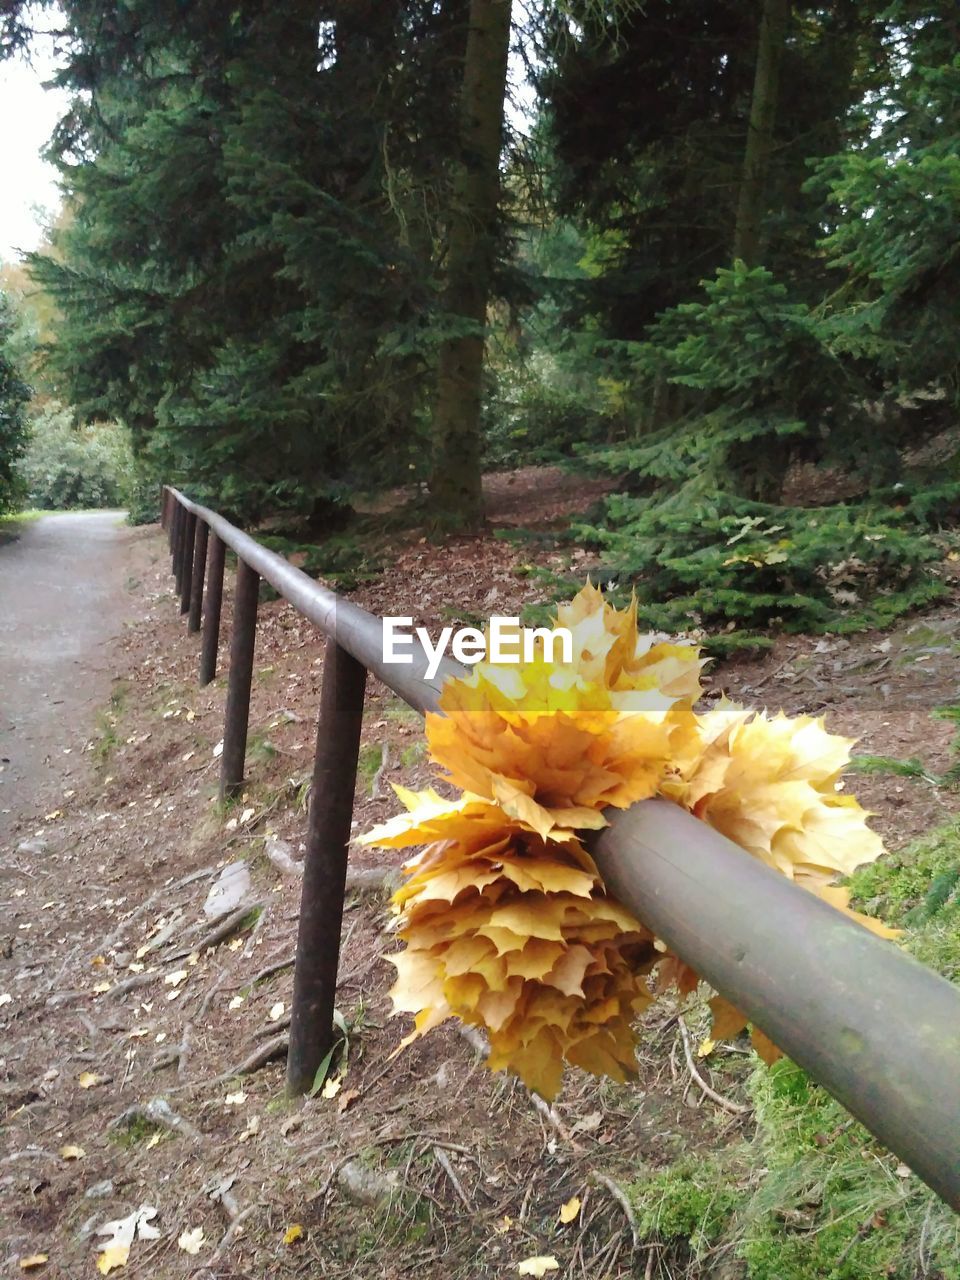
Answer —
61 600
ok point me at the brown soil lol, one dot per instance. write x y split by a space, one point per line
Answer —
479 1172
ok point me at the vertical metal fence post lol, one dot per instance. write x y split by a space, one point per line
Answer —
211 609
186 564
325 866
241 674
175 535
180 549
199 567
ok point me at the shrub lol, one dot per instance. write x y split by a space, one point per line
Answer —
67 467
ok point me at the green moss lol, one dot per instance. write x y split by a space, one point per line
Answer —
918 888
814 1194
831 1202
135 1131
691 1200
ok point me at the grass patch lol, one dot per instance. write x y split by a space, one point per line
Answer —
368 764
814 1194
414 754
108 737
399 712
138 1129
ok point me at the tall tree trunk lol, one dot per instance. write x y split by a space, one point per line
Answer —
752 203
455 481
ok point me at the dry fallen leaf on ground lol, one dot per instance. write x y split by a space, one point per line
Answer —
123 1231
174 979
89 1079
34 1260
70 1152
332 1087
292 1233
235 1099
191 1241
277 1010
538 1267
570 1210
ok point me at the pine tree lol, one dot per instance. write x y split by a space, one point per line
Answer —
14 397
474 206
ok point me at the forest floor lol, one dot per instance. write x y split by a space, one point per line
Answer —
141 1066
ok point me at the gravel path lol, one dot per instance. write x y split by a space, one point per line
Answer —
62 598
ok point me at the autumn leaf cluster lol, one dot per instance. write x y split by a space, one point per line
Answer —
505 918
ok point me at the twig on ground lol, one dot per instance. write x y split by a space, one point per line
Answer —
601 1179
184 1051
156 896
236 1223
734 1108
274 1048
277 967
443 1160
223 929
378 776
271 1028
261 920
211 992
132 984
165 934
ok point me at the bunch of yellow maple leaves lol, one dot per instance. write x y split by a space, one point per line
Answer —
505 918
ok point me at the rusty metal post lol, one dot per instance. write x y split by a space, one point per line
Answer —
211 608
237 713
196 584
186 563
181 547
325 866
176 516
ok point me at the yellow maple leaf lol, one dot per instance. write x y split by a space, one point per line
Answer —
608 649
293 1233
570 1210
512 932
549 747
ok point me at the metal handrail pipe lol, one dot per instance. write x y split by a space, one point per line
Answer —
878 1030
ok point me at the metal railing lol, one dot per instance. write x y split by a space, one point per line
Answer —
878 1030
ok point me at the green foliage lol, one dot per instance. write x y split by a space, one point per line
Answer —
690 1200
813 1194
918 888
895 209
248 276
701 530
14 396
344 559
830 1202
729 565
66 467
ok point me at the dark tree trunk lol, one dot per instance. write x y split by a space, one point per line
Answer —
752 204
455 480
